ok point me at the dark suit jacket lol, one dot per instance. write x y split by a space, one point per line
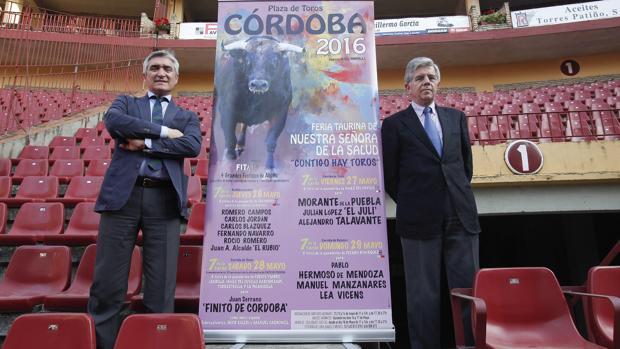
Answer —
129 117
419 181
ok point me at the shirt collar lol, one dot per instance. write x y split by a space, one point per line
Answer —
167 98
420 109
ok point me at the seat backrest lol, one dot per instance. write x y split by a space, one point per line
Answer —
84 220
31 167
145 331
86 132
67 168
189 266
84 187
3 216
202 168
196 222
62 141
603 280
194 189
5 186
97 152
86 268
39 218
91 141
5 167
525 302
46 268
98 167
65 152
51 331
38 187
34 152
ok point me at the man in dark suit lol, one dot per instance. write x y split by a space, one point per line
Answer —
427 163
144 189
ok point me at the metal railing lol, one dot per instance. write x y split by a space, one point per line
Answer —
14 16
73 59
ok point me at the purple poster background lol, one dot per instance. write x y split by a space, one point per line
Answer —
298 243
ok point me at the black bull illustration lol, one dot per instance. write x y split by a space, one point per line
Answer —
253 86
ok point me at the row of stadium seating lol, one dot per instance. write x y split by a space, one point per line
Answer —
77 331
44 223
41 275
572 112
26 108
72 166
511 307
527 308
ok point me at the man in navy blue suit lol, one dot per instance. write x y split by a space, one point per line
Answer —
427 163
144 189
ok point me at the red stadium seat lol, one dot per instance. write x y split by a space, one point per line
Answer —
194 190
5 167
602 93
3 216
82 188
35 188
518 308
6 186
98 167
51 331
33 222
65 152
562 97
606 123
34 152
67 169
92 141
106 135
604 315
75 298
33 273
195 226
63 141
202 170
578 125
582 96
97 153
146 331
82 229
100 126
30 167
472 110
187 292
490 109
551 126
85 132
187 167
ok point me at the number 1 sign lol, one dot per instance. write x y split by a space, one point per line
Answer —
523 157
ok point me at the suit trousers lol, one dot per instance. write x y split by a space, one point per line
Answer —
422 260
155 212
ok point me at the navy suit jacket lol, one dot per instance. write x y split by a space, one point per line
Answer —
129 118
419 181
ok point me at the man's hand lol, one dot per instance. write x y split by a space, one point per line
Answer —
174 133
133 145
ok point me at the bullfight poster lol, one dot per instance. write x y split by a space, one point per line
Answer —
295 243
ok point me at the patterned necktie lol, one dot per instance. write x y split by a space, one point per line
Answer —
431 130
157 117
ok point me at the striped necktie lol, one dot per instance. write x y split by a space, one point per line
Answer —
158 118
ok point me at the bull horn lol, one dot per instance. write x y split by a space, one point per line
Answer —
290 47
237 45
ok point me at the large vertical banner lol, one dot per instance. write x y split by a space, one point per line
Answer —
295 238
